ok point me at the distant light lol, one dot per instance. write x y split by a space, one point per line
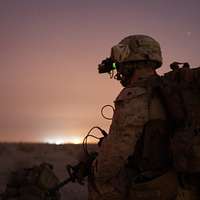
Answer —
55 141
60 141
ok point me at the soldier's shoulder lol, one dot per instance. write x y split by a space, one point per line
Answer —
130 93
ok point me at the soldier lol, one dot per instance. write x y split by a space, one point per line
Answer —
134 160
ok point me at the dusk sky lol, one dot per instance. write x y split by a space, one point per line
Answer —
50 89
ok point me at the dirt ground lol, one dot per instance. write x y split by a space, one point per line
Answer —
15 156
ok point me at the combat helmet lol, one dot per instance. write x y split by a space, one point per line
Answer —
137 48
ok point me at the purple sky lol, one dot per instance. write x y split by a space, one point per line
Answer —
50 49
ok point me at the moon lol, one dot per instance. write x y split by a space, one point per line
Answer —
189 33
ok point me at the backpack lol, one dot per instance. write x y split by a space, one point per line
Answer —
179 90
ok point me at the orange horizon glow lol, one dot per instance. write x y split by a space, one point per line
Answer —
50 89
66 140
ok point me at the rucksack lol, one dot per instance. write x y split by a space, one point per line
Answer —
180 93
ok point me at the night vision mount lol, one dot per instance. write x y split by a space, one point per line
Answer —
107 66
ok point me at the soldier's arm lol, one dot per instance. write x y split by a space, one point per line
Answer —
130 115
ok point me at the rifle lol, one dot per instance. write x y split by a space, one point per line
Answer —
77 173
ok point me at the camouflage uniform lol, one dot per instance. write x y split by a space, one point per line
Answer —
134 108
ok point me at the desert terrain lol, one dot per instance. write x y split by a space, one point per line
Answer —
14 156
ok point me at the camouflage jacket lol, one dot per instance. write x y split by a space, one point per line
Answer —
133 109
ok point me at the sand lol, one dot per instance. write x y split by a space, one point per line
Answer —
15 156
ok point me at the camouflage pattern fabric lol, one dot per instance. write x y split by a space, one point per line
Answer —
132 112
137 48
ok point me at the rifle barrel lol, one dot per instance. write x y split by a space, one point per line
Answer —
60 185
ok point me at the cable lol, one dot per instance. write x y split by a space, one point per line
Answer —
88 135
85 140
93 136
102 110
